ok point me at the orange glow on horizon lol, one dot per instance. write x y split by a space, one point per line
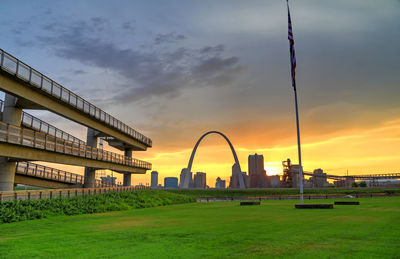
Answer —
361 151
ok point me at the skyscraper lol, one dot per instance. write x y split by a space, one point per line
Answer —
183 175
200 180
256 171
234 181
154 179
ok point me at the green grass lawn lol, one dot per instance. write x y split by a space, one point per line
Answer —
217 230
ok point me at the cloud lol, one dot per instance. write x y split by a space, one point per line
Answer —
128 26
79 72
168 38
149 72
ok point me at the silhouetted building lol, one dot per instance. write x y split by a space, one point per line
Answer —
273 181
200 180
170 182
220 184
234 180
154 179
257 173
109 180
347 183
182 177
319 179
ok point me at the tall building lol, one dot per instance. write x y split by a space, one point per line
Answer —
200 180
170 182
183 175
234 180
154 179
257 173
220 184
256 164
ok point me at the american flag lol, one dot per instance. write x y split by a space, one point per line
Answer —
292 53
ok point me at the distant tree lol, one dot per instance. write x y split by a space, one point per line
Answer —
354 184
363 184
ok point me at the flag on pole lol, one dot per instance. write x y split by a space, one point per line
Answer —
293 70
292 53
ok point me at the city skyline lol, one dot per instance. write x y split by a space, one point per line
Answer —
174 77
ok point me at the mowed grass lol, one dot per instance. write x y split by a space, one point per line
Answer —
216 230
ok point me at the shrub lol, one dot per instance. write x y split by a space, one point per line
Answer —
20 210
363 184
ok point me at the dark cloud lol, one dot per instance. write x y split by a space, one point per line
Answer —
128 26
168 38
98 22
79 72
149 73
212 49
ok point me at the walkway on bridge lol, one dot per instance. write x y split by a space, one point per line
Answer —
16 142
33 174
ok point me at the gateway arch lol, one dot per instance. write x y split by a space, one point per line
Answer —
189 167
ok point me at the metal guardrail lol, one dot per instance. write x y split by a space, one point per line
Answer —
15 67
40 171
62 193
37 124
45 172
26 137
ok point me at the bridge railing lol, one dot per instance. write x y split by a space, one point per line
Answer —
26 137
15 67
37 124
45 172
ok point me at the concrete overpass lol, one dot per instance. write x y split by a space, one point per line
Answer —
43 176
26 88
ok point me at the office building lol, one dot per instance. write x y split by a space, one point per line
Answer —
234 180
154 179
257 173
200 180
220 184
185 174
170 182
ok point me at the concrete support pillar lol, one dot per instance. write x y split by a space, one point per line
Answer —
90 173
12 115
128 176
127 179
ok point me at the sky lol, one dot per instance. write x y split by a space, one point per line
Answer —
176 69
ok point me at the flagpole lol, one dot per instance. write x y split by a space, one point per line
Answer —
293 68
299 149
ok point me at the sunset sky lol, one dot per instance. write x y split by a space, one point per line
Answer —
174 70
